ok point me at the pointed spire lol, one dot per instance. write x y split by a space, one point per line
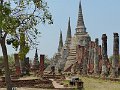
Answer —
36 55
68 31
80 22
60 42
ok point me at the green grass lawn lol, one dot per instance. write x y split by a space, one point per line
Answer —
66 81
96 84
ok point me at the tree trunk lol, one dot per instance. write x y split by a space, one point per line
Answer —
22 60
6 65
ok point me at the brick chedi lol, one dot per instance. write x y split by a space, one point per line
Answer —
36 62
81 37
66 47
81 55
59 58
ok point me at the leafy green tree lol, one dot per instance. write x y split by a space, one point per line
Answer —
18 20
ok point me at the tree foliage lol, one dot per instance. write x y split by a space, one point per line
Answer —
19 19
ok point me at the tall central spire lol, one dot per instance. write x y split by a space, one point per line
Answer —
80 23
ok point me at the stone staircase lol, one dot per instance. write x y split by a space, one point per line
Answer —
71 59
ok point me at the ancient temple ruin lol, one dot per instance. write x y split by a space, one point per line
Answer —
81 37
81 55
66 55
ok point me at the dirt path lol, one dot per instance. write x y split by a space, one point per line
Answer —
56 85
28 77
28 89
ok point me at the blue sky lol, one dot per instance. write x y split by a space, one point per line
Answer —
100 16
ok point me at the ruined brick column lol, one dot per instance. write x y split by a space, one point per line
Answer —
80 57
17 64
104 55
41 64
91 57
85 59
22 66
96 57
115 61
27 65
100 59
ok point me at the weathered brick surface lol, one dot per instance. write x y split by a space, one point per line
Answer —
52 77
41 68
34 83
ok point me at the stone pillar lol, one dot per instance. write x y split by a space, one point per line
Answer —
27 65
92 53
100 59
22 67
96 57
79 54
91 57
104 55
80 57
42 64
17 64
115 61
